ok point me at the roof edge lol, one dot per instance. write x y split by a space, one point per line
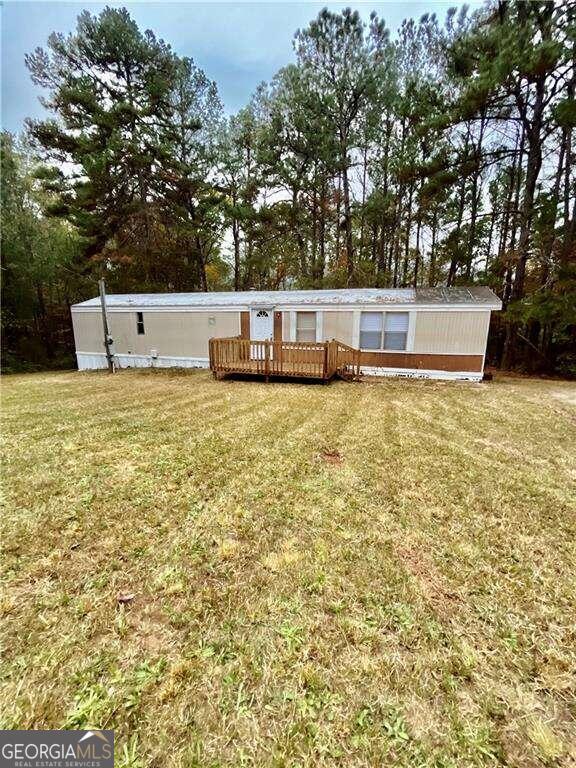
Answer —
478 296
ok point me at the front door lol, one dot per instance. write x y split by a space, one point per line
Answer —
261 329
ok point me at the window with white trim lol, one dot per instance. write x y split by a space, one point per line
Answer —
305 326
371 330
384 330
140 323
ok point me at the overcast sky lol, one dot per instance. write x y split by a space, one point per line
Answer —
237 44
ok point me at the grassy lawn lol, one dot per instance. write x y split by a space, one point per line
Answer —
374 574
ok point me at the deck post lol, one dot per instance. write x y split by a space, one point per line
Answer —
267 360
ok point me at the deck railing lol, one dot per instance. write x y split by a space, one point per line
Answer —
318 360
347 359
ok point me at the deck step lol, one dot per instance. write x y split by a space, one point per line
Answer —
346 375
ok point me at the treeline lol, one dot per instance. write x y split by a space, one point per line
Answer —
444 156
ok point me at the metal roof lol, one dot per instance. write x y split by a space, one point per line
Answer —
474 295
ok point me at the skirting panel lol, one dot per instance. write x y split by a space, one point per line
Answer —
421 373
421 361
88 361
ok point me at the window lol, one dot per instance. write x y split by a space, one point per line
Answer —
140 323
261 313
384 330
305 326
371 330
396 330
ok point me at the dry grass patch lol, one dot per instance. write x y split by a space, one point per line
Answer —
353 575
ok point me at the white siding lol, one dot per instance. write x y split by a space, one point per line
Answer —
447 333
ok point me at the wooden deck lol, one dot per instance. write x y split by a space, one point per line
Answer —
315 360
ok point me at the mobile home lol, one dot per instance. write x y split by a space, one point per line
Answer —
423 332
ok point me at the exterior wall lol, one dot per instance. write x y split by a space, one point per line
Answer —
338 325
451 333
170 334
88 334
441 344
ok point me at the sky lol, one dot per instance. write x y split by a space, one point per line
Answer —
237 44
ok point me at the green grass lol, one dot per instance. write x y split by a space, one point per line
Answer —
376 574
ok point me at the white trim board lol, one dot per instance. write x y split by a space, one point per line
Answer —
411 331
292 315
356 316
319 325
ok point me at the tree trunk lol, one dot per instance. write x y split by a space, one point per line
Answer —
201 265
454 261
347 218
236 237
569 226
511 246
338 207
533 165
314 243
417 259
475 199
407 238
300 242
432 271
322 234
550 236
363 210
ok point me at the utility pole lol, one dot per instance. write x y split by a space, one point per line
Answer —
107 339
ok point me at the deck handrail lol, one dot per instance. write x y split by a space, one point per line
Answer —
347 356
